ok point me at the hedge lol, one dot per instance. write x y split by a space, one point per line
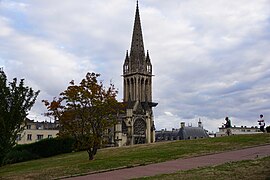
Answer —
268 129
43 148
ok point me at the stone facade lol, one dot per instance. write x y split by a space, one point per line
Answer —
136 126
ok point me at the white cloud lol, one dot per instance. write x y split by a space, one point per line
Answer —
168 113
210 58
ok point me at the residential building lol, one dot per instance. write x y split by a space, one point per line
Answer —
35 131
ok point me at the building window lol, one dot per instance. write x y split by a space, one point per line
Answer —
28 127
29 137
39 136
49 136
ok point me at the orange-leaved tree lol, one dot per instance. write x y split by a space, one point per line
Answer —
86 111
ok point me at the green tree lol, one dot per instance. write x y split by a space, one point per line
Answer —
86 111
16 100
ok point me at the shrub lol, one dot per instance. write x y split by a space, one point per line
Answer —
51 147
40 149
268 129
15 156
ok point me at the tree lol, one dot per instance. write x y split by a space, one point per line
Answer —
16 100
86 111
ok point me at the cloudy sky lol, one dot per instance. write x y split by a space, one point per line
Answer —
211 58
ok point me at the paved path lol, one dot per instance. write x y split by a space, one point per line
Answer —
180 164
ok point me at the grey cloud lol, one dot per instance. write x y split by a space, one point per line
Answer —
210 58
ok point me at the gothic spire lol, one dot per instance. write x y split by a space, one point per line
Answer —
137 47
127 58
147 57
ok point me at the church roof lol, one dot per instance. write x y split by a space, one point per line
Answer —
140 105
147 104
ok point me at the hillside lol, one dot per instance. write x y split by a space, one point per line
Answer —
77 163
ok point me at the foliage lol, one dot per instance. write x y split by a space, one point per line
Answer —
15 156
49 147
86 111
16 100
268 129
44 148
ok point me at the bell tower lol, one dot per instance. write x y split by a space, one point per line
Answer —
137 68
138 123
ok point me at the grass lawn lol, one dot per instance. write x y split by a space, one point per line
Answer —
251 169
78 163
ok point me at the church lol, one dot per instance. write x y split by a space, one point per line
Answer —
136 126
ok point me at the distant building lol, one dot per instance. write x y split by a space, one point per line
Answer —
35 131
184 133
238 130
165 135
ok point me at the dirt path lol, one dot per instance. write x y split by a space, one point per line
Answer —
180 164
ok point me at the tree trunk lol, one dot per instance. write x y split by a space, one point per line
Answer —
91 153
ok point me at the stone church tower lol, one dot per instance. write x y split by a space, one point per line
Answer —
137 126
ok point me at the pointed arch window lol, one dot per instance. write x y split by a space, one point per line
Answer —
126 68
149 69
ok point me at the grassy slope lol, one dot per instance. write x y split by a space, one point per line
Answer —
251 169
76 163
